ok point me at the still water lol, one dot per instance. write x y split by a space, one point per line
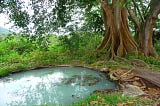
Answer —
60 85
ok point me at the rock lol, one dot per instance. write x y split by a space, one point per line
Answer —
74 96
132 90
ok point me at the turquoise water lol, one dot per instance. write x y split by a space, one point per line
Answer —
60 85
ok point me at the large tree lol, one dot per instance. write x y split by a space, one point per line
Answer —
47 16
118 39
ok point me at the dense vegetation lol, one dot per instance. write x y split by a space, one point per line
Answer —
106 32
20 53
109 16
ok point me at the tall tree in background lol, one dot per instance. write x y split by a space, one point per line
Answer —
145 24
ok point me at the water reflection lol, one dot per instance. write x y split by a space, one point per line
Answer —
49 86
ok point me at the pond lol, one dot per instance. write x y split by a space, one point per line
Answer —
59 85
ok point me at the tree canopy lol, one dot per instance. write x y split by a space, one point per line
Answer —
47 16
50 15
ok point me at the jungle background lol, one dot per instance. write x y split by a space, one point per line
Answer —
112 34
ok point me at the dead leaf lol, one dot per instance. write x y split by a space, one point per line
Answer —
94 102
136 83
156 104
120 71
143 87
120 104
136 78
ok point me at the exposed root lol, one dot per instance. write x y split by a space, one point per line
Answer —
118 40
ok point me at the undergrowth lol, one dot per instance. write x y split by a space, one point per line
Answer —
19 52
112 99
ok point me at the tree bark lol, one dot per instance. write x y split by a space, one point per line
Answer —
146 43
118 40
144 27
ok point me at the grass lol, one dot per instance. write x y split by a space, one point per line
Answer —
154 63
112 99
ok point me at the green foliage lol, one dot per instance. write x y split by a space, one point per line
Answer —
81 42
154 63
149 60
112 99
157 45
4 71
105 99
49 16
19 52
55 45
19 16
15 43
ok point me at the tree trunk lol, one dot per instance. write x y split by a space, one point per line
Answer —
146 43
118 40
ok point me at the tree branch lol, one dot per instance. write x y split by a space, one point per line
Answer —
134 18
142 17
156 11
